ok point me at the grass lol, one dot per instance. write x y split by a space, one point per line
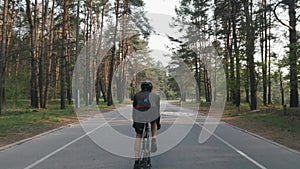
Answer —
19 121
192 104
270 116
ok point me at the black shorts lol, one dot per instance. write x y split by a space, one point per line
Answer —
140 126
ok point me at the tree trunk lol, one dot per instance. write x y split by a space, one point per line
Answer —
3 51
293 58
121 78
64 56
281 88
91 53
56 77
269 62
265 71
263 47
68 70
87 61
49 57
247 84
98 82
43 52
197 77
34 90
112 59
250 38
77 94
8 35
237 58
227 56
265 38
206 85
293 46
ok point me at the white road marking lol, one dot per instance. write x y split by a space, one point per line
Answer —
66 145
183 114
235 149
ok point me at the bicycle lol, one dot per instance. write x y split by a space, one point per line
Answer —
144 155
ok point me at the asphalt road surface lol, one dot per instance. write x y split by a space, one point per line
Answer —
72 148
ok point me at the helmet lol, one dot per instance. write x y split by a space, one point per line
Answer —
146 86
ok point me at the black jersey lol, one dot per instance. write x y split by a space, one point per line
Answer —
146 107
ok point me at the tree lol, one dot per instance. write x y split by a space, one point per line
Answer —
49 57
99 81
250 39
223 14
293 47
112 58
77 97
123 12
235 10
192 17
263 27
42 52
34 90
3 51
64 55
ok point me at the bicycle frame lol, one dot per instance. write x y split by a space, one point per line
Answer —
144 155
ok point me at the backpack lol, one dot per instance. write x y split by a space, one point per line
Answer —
143 101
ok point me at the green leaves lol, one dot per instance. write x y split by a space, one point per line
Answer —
137 3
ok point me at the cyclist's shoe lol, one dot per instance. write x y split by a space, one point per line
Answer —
153 145
136 166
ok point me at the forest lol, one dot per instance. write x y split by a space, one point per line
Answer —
85 52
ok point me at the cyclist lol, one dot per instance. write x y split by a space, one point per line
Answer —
146 108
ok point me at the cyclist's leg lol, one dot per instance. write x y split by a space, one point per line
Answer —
154 130
155 125
139 131
137 146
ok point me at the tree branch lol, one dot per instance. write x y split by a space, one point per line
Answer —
274 11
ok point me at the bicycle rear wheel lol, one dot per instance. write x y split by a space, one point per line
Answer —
145 161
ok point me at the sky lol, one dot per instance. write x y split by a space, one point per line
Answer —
161 6
160 12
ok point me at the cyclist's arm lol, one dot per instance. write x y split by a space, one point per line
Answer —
134 101
158 104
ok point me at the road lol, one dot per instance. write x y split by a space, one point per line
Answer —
72 148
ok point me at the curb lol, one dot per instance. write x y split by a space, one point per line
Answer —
262 138
3 148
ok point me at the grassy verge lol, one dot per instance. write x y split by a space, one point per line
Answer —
202 108
20 121
268 122
271 118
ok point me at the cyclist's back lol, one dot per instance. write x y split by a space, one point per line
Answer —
146 106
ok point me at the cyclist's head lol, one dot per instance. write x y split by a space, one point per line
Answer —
146 86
